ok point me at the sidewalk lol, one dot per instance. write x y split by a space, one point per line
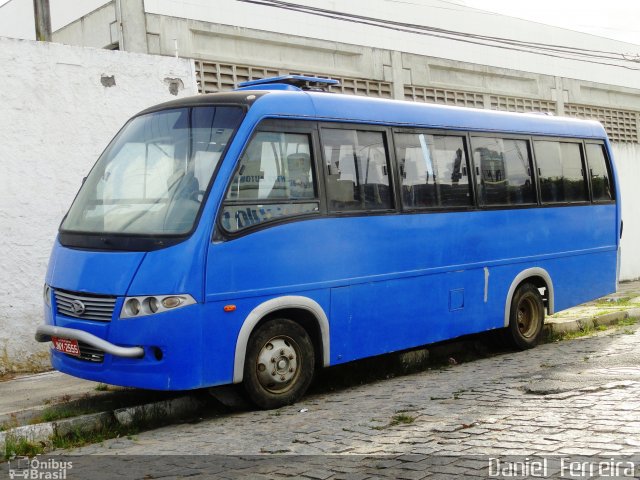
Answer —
34 393
625 303
37 406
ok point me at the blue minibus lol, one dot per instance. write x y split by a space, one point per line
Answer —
254 236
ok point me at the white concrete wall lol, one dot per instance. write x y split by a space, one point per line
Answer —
627 158
56 117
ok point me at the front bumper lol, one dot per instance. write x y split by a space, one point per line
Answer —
45 332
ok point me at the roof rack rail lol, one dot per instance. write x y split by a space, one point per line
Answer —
286 82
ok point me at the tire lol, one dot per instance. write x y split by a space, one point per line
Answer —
526 317
278 367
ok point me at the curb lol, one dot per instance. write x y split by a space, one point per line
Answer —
164 411
579 324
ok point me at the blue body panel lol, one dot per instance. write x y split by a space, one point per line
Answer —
386 282
397 272
107 273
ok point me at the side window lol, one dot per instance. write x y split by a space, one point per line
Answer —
503 168
433 170
356 169
275 179
601 184
561 172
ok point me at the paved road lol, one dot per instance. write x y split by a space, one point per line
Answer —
577 397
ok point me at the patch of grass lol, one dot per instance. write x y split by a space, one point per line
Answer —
615 302
52 414
590 329
11 423
401 417
78 438
102 387
583 332
627 322
21 447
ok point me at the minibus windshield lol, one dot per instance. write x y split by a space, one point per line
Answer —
152 178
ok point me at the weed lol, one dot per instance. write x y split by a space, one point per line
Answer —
590 329
11 423
21 447
102 387
52 414
78 437
615 302
627 322
584 331
401 419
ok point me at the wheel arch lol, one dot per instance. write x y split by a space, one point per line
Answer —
306 312
541 279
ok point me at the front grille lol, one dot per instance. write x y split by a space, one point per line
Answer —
91 307
89 353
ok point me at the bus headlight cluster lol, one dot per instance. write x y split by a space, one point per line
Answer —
148 305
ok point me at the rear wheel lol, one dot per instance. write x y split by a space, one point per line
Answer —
526 317
279 364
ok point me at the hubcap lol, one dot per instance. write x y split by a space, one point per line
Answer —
277 364
527 317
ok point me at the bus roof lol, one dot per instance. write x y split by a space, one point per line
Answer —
289 102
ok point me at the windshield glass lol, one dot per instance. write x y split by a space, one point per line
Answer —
153 176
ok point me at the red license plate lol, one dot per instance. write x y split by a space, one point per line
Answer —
67 346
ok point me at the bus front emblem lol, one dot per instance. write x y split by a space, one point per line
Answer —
78 307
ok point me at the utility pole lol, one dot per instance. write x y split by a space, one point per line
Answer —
42 17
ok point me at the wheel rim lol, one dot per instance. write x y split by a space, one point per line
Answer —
527 317
277 365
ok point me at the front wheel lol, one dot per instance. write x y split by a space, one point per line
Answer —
279 364
526 317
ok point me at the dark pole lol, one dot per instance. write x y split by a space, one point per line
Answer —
42 17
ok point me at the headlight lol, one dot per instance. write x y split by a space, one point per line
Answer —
148 305
132 307
46 295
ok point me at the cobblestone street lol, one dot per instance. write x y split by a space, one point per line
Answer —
576 397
